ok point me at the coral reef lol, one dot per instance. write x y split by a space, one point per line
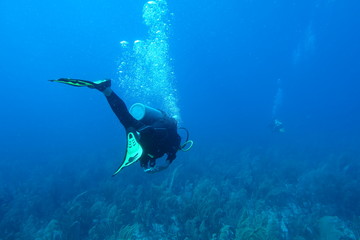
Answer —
261 196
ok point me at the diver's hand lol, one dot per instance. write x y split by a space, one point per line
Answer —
152 170
158 168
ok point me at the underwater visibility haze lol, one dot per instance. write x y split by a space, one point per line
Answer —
269 91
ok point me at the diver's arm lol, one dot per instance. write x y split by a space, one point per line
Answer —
157 168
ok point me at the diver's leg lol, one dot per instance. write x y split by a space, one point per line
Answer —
119 108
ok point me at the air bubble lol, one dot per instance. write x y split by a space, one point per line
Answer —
124 44
148 74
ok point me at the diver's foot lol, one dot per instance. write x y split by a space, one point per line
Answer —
101 85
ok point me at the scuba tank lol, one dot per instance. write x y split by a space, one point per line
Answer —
145 114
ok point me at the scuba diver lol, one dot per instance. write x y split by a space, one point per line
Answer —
150 132
277 126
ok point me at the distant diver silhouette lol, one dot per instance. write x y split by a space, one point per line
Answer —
277 126
150 132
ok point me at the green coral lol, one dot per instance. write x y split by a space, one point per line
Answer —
209 201
51 232
258 225
333 228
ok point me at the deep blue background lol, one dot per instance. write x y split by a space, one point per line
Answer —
228 58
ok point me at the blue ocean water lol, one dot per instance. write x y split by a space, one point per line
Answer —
232 67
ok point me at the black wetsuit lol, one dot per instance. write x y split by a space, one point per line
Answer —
157 138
